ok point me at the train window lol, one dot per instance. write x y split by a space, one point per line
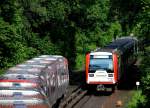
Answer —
101 63
52 59
60 60
61 71
38 66
45 62
57 56
34 70
30 61
37 58
101 56
49 67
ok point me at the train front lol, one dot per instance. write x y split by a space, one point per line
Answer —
101 70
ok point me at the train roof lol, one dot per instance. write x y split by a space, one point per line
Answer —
120 44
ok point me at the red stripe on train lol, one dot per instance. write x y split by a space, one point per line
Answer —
22 81
115 63
87 65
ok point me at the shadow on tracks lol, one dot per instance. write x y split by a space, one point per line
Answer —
77 77
98 93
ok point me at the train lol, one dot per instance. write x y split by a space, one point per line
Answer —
36 83
108 66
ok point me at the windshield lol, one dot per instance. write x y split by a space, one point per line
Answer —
101 63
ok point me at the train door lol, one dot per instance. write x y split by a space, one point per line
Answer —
58 78
44 80
54 82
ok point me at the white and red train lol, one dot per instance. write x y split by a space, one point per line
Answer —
108 66
36 83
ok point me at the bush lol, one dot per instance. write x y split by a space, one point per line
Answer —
137 100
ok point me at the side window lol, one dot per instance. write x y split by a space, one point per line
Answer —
61 69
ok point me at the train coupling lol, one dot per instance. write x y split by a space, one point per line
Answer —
100 87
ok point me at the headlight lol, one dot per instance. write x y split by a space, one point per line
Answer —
110 75
91 75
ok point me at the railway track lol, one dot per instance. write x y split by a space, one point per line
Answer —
93 99
78 97
102 100
81 98
71 100
75 90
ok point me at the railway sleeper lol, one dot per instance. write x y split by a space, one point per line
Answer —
73 99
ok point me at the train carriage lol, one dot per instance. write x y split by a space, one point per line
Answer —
46 75
108 66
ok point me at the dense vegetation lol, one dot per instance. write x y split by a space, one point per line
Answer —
71 28
67 27
145 73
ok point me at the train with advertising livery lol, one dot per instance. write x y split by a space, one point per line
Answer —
36 83
108 66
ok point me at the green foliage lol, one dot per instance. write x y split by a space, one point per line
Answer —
137 100
70 28
80 62
18 41
134 17
145 73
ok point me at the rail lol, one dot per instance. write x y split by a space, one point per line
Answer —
73 99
